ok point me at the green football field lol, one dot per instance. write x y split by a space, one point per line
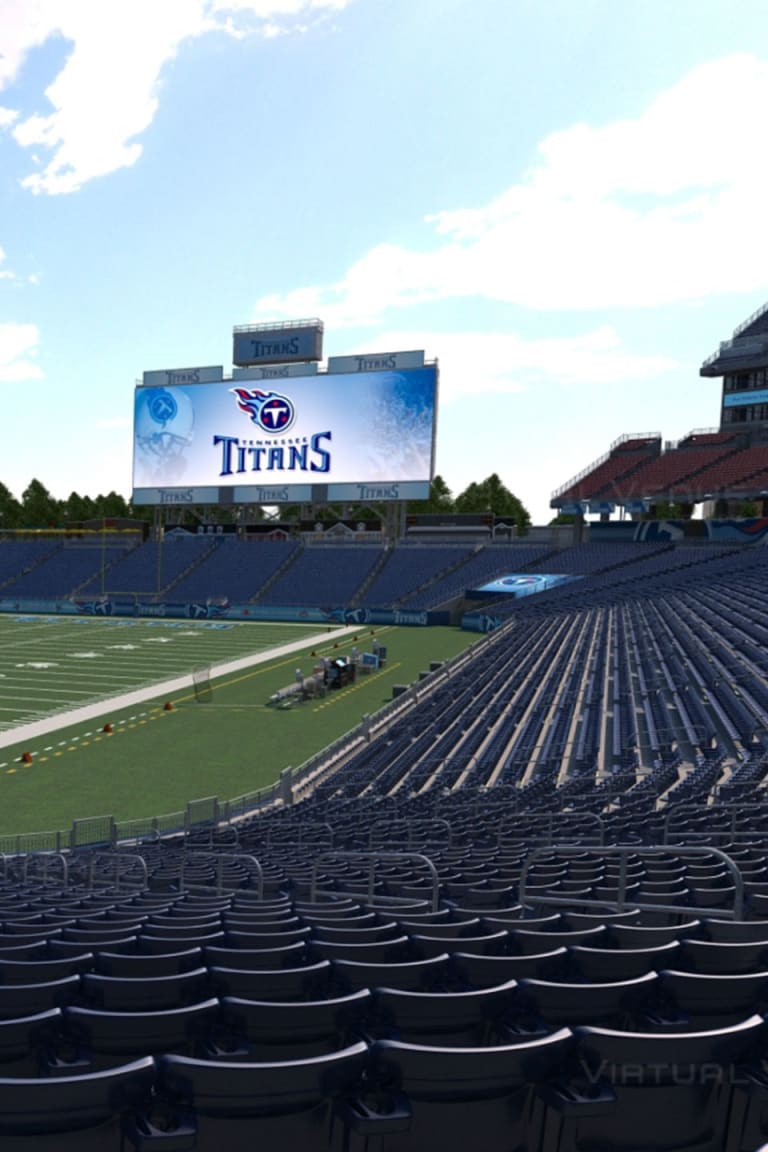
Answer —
155 759
54 664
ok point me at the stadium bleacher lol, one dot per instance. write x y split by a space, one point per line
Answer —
531 913
625 457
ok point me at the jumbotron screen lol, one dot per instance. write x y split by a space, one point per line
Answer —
349 436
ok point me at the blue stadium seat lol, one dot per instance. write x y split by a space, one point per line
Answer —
80 1113
457 1098
648 1090
269 1106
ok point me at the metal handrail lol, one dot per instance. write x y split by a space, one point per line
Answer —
211 831
374 858
221 859
300 827
493 802
117 856
46 858
550 819
620 903
412 827
725 809
750 320
276 325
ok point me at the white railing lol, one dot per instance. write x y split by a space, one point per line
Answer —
761 311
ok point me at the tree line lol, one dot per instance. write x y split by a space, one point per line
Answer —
38 508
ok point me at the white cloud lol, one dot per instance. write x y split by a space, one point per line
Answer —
505 362
5 273
18 348
276 9
106 95
665 207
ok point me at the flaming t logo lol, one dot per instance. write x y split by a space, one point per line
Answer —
269 410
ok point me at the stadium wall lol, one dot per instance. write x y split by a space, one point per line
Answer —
197 611
708 531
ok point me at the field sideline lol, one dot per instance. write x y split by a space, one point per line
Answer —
154 760
50 665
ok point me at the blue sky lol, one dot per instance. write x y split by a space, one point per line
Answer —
561 200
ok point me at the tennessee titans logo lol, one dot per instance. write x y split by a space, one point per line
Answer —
269 410
162 408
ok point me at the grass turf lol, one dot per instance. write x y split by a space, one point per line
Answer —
53 664
156 760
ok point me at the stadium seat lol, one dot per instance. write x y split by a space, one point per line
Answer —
104 1039
344 935
647 936
255 938
172 942
81 1113
40 971
373 952
533 942
492 943
288 956
713 1000
412 975
128 993
477 971
269 1106
30 999
65 949
558 1005
604 965
149 964
24 1039
724 957
455 1019
658 1092
265 1030
457 1098
278 984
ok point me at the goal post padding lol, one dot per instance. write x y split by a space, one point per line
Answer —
201 680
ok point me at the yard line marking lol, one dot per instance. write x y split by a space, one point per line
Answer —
136 681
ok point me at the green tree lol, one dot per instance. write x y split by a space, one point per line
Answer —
491 495
440 499
667 510
39 508
111 506
10 509
78 508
